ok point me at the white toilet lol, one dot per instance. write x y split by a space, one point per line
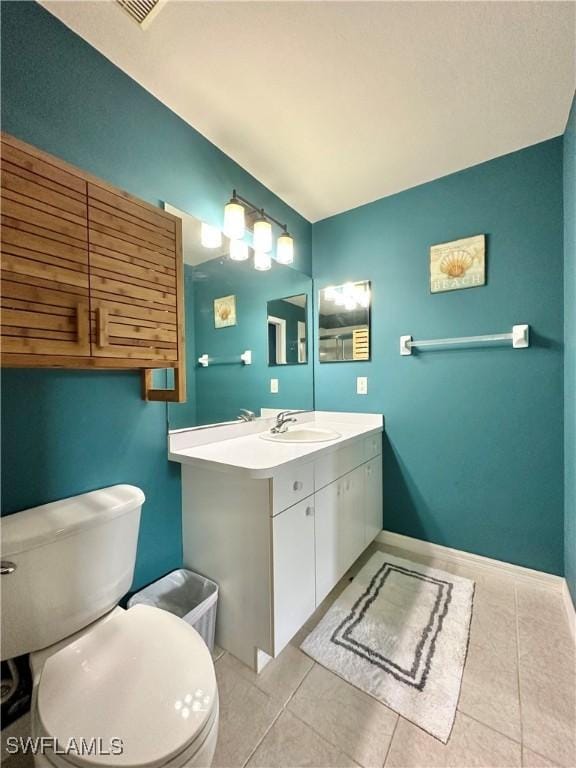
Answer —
113 688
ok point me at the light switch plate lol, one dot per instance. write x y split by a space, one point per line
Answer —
361 385
274 386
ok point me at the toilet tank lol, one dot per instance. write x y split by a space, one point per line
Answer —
65 564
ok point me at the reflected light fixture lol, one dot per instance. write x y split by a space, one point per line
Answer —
238 250
330 293
210 236
350 296
234 218
262 261
285 249
262 238
364 298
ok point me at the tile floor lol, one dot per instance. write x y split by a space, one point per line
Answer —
517 705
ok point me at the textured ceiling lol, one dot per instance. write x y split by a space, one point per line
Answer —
334 104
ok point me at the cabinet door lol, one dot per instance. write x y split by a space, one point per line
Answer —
373 498
135 271
351 519
45 282
293 568
339 529
326 527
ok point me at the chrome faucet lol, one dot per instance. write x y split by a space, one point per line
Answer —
246 415
282 420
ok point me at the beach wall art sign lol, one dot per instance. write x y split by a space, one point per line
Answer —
458 264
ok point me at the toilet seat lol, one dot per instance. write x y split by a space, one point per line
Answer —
145 677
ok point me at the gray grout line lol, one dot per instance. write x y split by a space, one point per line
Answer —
323 736
391 740
516 624
489 727
283 709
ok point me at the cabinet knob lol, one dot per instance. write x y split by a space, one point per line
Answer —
297 485
309 511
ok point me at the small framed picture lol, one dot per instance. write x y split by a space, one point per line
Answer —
225 312
459 264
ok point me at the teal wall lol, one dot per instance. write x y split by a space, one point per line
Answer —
69 432
222 390
473 456
570 351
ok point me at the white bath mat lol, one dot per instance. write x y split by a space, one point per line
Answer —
400 632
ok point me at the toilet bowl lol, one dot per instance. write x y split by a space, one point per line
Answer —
113 688
137 689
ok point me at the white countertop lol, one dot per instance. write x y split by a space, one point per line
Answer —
248 454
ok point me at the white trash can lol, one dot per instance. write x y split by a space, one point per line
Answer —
186 594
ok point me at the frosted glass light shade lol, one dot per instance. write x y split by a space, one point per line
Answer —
238 250
262 261
262 238
210 236
285 249
234 221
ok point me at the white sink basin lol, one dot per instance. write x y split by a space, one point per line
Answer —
302 434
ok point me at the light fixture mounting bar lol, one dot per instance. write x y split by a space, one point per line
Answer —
257 209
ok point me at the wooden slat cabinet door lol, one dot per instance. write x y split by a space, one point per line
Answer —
135 274
45 281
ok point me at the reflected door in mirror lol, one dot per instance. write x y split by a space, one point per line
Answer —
287 336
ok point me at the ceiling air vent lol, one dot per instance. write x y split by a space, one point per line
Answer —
142 11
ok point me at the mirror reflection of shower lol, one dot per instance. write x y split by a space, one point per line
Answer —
344 322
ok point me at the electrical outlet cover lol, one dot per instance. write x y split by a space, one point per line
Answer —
362 385
274 386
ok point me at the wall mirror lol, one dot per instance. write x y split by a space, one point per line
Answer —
228 306
287 330
344 322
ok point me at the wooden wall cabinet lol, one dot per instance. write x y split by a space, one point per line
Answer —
91 276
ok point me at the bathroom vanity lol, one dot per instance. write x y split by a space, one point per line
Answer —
277 523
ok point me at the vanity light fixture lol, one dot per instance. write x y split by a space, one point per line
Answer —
285 249
210 236
262 237
234 218
241 214
262 261
238 250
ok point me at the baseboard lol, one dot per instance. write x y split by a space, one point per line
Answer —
478 561
570 608
497 567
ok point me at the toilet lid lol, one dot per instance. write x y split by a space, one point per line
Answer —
145 678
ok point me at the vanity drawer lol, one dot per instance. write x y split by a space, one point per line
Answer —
291 486
332 466
372 446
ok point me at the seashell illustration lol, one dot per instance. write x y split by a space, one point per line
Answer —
224 312
456 263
